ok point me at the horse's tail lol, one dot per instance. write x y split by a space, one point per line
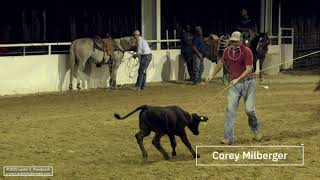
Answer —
72 61
72 56
116 115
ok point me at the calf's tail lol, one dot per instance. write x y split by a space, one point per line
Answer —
116 115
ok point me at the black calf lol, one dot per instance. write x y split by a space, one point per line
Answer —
170 121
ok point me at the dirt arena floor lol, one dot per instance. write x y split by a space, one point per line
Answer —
77 134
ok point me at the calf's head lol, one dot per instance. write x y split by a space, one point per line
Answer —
195 121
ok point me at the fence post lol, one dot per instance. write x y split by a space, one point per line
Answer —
49 49
175 37
292 36
167 36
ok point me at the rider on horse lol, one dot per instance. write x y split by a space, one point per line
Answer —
246 26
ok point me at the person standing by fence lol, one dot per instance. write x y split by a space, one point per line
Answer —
200 49
186 50
144 53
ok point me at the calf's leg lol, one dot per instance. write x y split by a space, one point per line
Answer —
173 144
185 140
156 143
139 136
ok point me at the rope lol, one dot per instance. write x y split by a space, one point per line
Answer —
123 60
130 68
316 52
227 87
207 102
234 51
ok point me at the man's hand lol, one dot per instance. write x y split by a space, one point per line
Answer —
235 81
209 78
135 55
200 55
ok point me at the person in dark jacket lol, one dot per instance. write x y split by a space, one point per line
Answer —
186 50
200 49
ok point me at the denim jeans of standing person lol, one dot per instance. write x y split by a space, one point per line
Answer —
188 58
247 89
197 68
142 72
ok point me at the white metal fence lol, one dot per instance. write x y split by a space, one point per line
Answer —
51 48
47 48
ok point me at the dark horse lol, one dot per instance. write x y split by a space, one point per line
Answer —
259 47
318 87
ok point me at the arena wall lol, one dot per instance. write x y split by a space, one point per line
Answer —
50 73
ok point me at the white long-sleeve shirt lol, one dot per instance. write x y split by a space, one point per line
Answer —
143 47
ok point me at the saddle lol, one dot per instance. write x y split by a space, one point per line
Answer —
213 45
105 45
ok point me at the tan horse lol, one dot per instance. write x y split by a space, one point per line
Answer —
216 46
86 49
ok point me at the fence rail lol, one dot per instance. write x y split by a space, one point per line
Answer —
306 43
7 48
26 48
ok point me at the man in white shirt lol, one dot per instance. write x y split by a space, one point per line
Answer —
144 52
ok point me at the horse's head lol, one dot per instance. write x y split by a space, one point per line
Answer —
262 46
263 39
128 43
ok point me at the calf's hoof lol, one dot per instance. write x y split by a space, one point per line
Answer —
174 153
166 157
198 156
145 158
144 155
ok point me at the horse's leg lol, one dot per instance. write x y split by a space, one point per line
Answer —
260 68
80 72
118 55
225 78
110 73
71 76
255 59
114 76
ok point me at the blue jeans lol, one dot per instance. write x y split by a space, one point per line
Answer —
197 68
247 89
142 72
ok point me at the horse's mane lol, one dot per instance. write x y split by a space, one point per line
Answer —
127 42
